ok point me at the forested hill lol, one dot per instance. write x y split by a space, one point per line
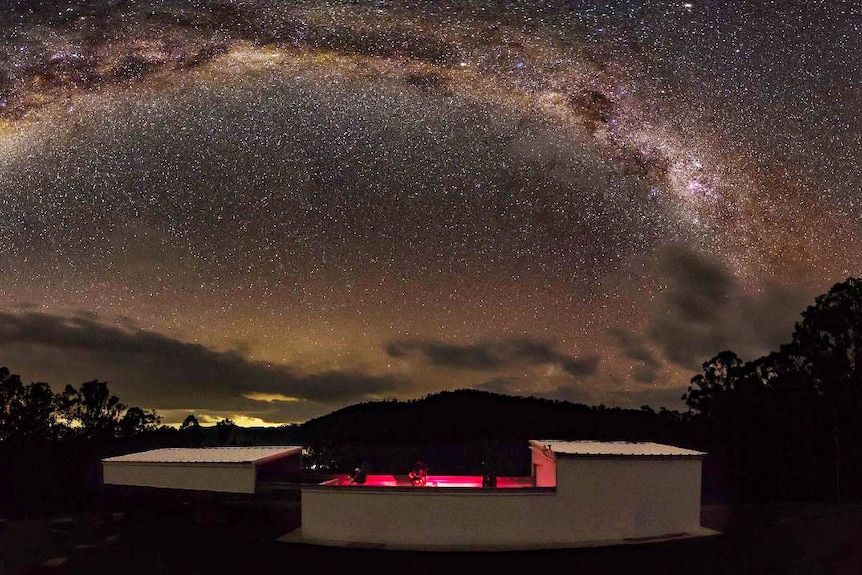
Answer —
460 431
465 415
468 417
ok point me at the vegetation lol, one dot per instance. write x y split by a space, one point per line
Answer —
787 425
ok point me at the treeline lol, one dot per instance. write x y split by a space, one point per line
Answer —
32 414
788 426
52 444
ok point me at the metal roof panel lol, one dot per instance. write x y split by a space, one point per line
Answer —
207 454
614 448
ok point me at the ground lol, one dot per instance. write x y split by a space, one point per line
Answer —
241 537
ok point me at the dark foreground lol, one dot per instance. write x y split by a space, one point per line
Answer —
786 539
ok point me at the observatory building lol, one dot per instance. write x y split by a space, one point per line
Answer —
578 493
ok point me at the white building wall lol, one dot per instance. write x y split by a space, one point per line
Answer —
226 478
595 500
630 497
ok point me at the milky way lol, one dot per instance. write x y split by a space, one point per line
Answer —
268 212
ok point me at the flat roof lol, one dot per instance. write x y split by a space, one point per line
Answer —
254 454
613 448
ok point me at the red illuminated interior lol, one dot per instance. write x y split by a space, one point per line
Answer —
469 481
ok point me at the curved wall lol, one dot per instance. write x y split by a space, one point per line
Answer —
595 499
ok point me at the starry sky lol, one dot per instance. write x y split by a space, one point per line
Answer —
268 211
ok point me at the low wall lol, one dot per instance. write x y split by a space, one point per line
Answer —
422 516
594 500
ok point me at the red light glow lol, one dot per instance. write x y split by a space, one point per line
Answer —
464 481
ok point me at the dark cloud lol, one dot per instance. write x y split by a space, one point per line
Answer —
489 355
704 310
644 373
698 286
479 356
153 370
636 347
579 366
594 107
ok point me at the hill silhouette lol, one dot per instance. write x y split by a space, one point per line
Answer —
461 431
467 414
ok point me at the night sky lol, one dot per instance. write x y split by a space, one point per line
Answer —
268 211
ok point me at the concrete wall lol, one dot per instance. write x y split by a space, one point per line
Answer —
421 516
595 500
221 477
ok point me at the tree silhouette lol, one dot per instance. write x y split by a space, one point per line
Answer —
827 348
26 411
787 420
11 391
136 421
191 421
191 430
34 413
92 410
828 340
225 431
718 377
50 444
